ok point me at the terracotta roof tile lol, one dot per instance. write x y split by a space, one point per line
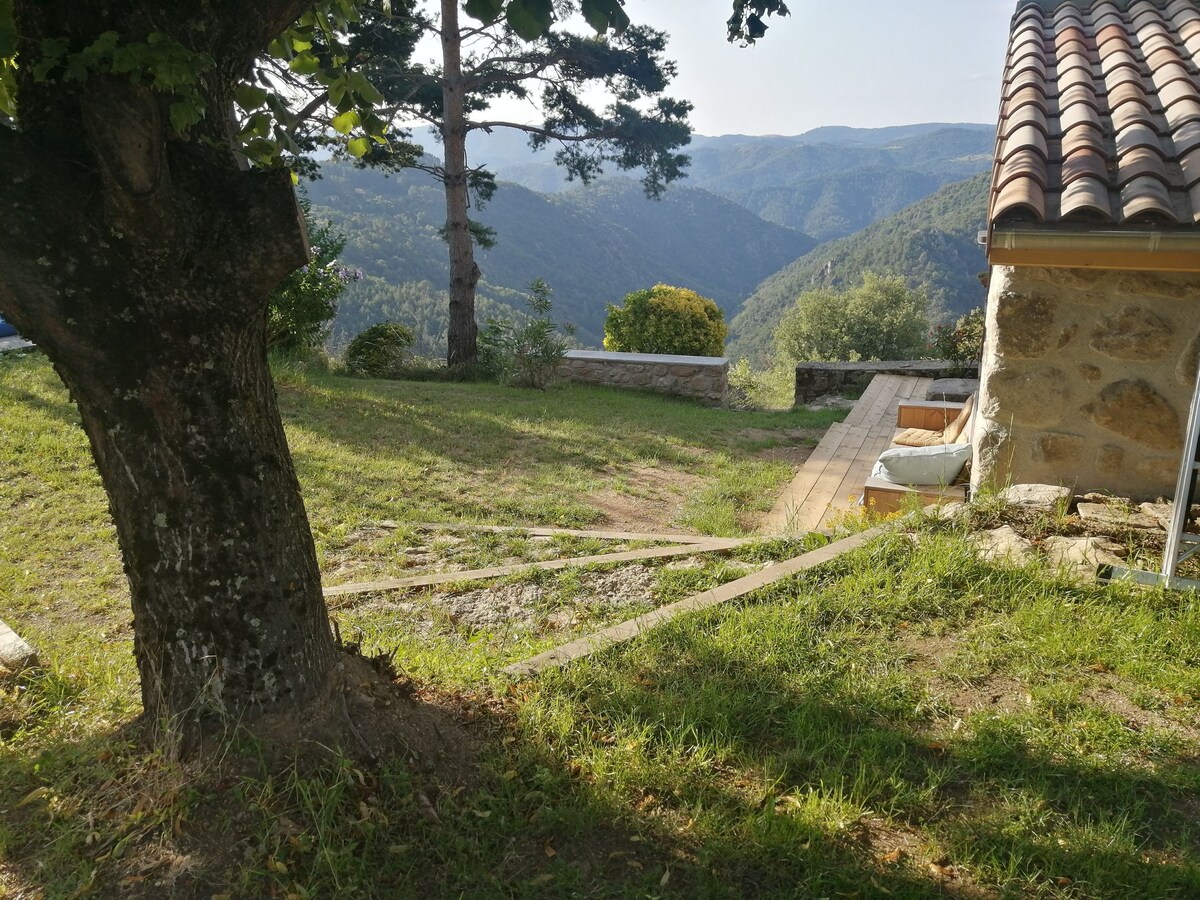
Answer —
1086 197
1084 162
1100 113
1147 198
1187 137
1189 163
1142 161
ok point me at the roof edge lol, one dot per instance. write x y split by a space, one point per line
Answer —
1149 250
1050 6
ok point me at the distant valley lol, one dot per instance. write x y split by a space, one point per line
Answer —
743 228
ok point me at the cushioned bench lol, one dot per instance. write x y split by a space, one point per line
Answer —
925 461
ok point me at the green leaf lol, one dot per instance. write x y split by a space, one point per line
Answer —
346 122
486 11
530 19
358 147
605 14
367 91
300 45
304 64
185 113
249 97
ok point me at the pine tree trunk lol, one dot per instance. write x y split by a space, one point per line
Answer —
142 264
461 347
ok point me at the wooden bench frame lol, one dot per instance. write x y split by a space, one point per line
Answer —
883 497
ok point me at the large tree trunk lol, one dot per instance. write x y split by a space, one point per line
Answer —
461 349
142 263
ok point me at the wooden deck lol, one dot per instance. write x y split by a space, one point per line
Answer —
831 480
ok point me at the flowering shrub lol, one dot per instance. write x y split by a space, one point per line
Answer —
666 319
305 302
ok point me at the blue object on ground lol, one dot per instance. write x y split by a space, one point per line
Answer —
6 330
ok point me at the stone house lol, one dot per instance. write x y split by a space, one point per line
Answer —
1093 317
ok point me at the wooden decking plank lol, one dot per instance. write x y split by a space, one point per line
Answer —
713 545
570 532
824 492
797 491
877 395
850 488
625 631
833 477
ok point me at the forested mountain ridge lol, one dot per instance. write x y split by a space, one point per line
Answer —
591 245
829 182
931 243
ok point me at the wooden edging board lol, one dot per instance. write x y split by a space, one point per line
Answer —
712 545
575 532
630 629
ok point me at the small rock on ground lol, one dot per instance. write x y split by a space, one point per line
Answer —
1082 556
1003 544
1116 515
1036 496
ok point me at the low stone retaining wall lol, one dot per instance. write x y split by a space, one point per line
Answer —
816 379
701 378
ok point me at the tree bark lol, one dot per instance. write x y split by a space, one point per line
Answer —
142 263
461 345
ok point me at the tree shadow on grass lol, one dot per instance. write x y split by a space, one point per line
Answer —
1015 817
100 815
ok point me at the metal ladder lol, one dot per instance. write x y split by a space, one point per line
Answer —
1180 543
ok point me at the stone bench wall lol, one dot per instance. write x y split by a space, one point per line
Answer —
701 378
816 379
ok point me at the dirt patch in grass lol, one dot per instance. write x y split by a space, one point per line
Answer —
1108 695
525 605
647 499
782 437
928 655
794 456
894 847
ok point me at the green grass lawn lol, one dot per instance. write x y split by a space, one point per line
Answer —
907 721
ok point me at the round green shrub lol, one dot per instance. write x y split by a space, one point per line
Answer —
379 352
666 319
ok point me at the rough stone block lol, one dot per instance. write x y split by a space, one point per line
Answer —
1133 333
1082 556
1113 515
15 654
952 389
1189 362
1037 496
1164 469
1110 460
1003 545
1055 447
1028 396
1136 411
1025 325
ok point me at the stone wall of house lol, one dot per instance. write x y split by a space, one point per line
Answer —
816 379
701 378
1087 378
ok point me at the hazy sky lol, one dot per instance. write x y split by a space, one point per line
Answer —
851 62
864 63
